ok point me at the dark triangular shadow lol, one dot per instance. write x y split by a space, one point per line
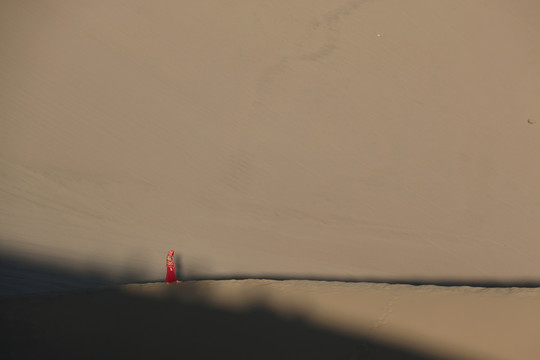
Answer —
113 324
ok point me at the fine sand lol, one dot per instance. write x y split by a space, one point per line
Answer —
264 319
386 141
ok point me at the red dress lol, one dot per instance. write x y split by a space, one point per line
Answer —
171 276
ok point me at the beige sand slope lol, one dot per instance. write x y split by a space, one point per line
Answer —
259 319
385 139
439 322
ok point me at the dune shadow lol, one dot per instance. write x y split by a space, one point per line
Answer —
112 323
97 320
47 311
20 276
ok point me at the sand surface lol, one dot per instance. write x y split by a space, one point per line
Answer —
385 140
342 138
265 319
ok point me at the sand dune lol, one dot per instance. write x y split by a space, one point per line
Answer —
381 140
266 319
351 138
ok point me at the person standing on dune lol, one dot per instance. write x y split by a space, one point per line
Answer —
171 267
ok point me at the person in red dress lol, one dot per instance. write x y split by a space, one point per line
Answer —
171 267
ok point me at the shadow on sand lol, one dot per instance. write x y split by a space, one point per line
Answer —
40 318
112 323
19 276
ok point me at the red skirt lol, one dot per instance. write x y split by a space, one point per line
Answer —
171 276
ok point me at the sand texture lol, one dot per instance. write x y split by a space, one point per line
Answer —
364 140
342 138
264 319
